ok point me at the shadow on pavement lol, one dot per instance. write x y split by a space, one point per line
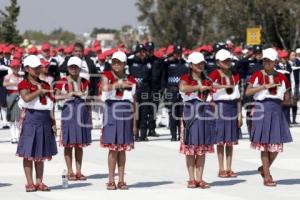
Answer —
72 185
247 173
98 176
150 184
289 182
5 184
227 183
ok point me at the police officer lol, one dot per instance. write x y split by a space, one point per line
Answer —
285 68
249 65
175 67
156 74
4 67
140 68
54 63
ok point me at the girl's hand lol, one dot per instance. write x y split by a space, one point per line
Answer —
240 121
218 86
126 84
135 130
77 94
54 129
268 86
204 88
44 91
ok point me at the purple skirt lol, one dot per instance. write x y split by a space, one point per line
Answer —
269 125
201 132
37 139
117 132
76 124
227 130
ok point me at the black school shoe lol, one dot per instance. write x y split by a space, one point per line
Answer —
152 133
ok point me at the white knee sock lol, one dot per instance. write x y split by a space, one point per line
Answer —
3 116
12 130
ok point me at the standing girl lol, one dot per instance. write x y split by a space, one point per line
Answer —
37 137
75 118
11 82
198 137
270 127
228 107
118 91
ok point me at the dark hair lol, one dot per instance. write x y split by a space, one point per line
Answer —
79 45
202 76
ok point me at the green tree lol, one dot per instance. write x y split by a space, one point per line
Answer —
171 21
8 30
205 21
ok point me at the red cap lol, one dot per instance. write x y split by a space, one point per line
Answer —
97 49
158 54
237 50
60 48
15 63
45 63
17 55
102 57
283 54
33 50
7 50
69 50
46 47
97 43
170 49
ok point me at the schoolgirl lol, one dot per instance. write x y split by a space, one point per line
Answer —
119 126
198 137
11 82
270 128
228 108
37 137
75 118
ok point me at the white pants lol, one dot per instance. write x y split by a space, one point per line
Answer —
14 130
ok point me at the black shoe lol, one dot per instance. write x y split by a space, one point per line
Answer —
5 127
161 125
173 139
137 139
145 139
152 133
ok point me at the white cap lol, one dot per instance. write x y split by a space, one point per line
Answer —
75 61
119 55
32 61
298 50
223 55
196 58
270 54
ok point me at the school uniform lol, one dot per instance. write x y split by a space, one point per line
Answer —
75 118
227 130
270 127
13 110
117 132
199 117
37 139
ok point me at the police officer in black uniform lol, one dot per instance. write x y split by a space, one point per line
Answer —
156 74
175 67
248 66
140 68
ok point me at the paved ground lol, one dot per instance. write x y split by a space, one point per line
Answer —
155 170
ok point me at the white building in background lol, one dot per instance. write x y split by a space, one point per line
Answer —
107 40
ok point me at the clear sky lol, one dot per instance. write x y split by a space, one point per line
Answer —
78 16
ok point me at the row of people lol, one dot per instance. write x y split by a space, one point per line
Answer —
202 95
